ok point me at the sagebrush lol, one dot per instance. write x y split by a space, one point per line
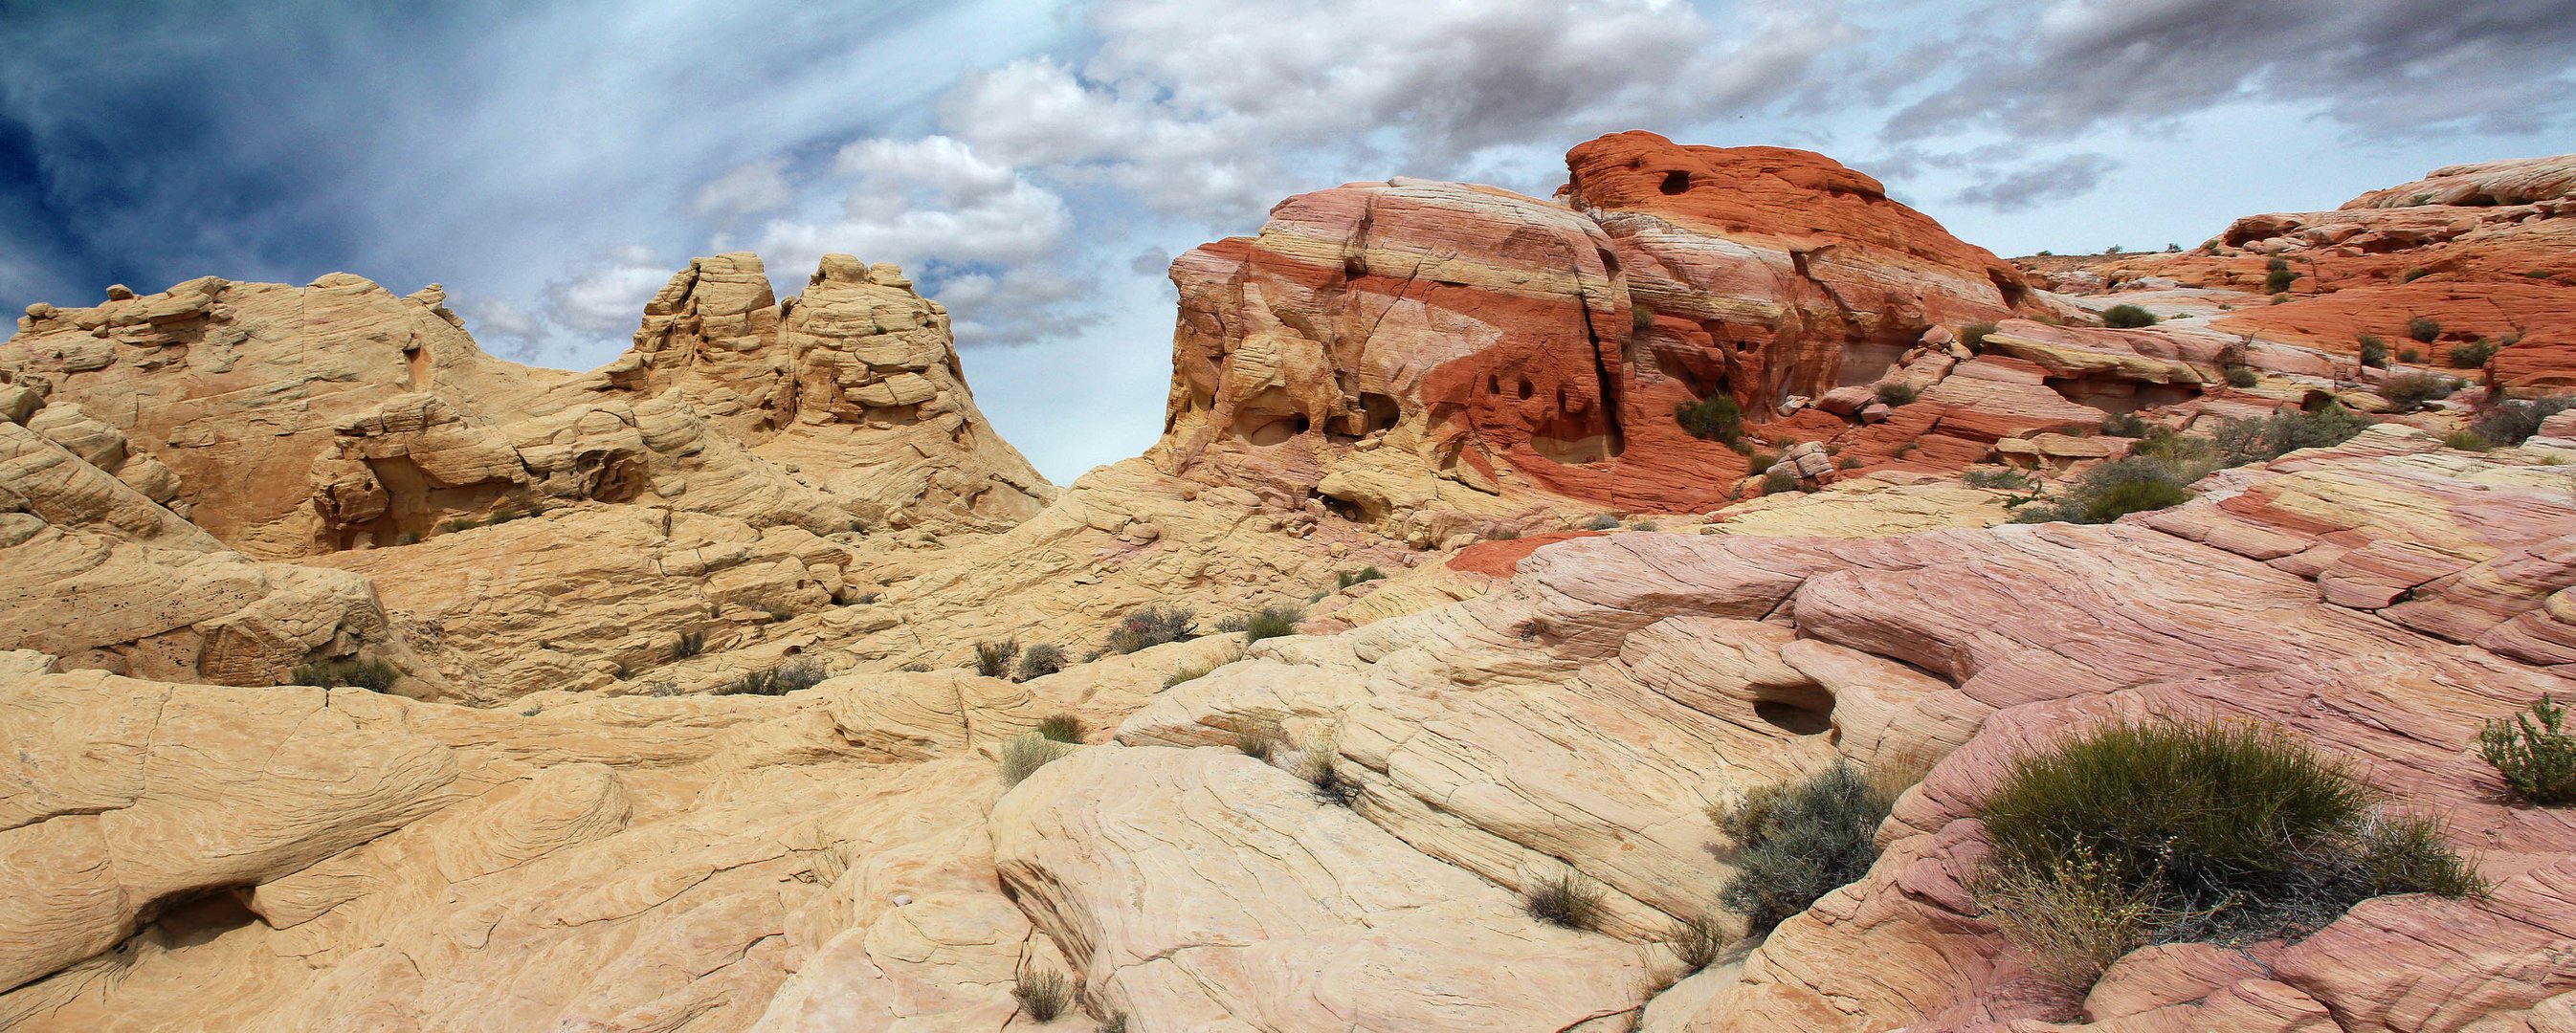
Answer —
1798 841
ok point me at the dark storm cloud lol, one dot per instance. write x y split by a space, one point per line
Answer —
2383 66
2046 182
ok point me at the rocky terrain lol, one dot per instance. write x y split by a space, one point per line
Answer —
1714 470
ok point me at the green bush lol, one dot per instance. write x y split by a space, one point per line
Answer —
1271 622
2242 376
2126 425
2472 355
2280 276
1025 753
356 672
2409 391
2261 441
1798 841
1779 482
2409 355
2424 329
1062 728
2514 421
2165 832
2127 317
1348 578
1043 994
994 659
1152 626
2467 441
1041 660
1895 392
1187 674
1565 900
2534 753
1261 740
1715 418
1600 522
2374 351
2114 489
691 643
1974 334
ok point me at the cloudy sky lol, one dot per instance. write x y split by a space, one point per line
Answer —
1037 164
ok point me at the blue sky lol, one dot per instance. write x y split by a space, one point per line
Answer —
1036 164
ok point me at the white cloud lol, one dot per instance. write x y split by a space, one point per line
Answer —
760 186
609 295
916 202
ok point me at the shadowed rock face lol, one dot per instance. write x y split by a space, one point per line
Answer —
1509 344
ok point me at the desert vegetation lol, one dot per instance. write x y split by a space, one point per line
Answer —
1798 841
1715 418
1152 626
2534 753
359 672
2167 831
793 676
2127 317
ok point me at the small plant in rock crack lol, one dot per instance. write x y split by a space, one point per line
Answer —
1697 941
1564 899
1043 994
1348 578
691 643
1261 740
1322 769
1152 626
355 672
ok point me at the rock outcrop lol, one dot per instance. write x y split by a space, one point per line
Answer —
686 729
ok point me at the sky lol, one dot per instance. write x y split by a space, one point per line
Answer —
1036 165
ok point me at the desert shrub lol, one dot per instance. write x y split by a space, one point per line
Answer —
1715 418
1998 478
2126 425
1041 660
1043 994
1779 482
1152 626
1322 770
2409 355
1261 740
1600 522
2127 317
2467 441
369 674
2279 276
1271 622
2114 489
1895 392
794 676
1697 941
777 611
691 643
1348 578
2471 355
994 659
1563 899
2166 831
2242 376
1186 674
2409 391
1799 841
1025 753
1848 463
1061 728
2416 273
2258 441
2424 329
1503 534
2514 421
2374 351
1974 334
2534 753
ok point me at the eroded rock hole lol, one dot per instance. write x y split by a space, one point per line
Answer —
1675 182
